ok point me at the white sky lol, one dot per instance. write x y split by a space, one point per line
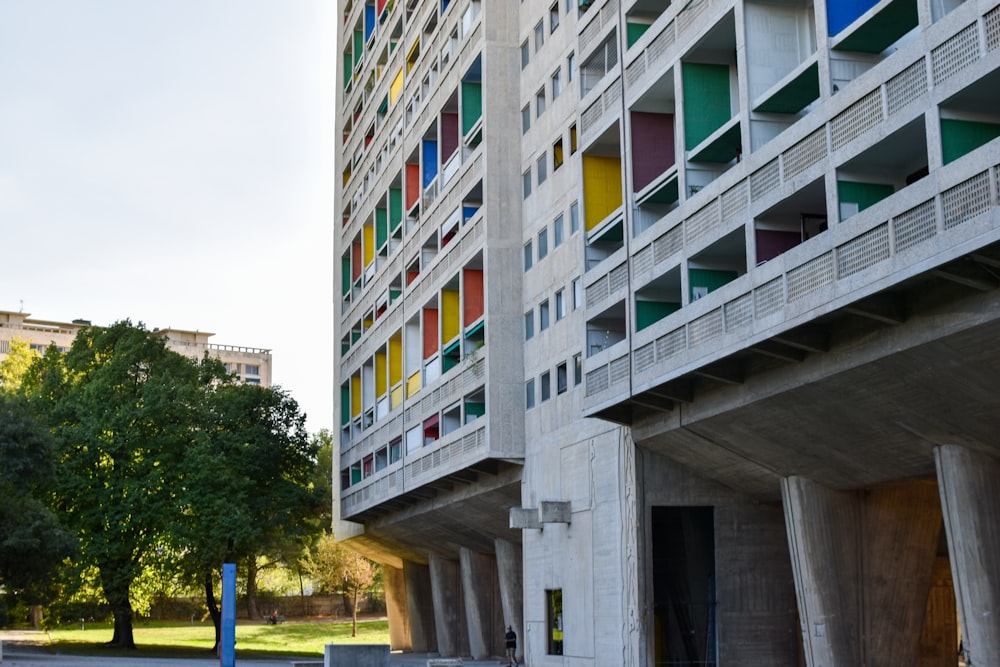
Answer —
171 162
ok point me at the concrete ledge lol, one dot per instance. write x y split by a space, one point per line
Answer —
444 662
356 655
306 663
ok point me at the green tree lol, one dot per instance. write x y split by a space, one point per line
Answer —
246 488
121 406
32 541
15 365
336 568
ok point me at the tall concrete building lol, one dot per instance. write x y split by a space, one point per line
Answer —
667 330
251 364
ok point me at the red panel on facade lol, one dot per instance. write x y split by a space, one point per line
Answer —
355 261
472 295
412 184
430 331
652 146
449 135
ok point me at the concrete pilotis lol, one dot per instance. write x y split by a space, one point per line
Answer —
511 579
419 607
449 617
970 497
862 562
479 584
396 608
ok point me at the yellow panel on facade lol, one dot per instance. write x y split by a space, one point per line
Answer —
413 384
396 398
397 86
381 381
395 361
450 315
602 188
368 244
355 395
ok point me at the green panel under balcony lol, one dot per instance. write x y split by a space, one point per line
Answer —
472 105
650 312
883 29
793 95
634 31
863 194
345 276
723 147
959 137
707 105
704 281
345 405
395 208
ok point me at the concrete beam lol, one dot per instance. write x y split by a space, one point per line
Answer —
970 496
479 587
449 616
419 607
862 563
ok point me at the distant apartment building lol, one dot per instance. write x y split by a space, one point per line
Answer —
249 364
666 330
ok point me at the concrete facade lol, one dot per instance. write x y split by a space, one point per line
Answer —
250 364
666 329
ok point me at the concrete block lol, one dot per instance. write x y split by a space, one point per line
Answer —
554 511
444 662
356 655
524 517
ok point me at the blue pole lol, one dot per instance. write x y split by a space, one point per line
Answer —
227 657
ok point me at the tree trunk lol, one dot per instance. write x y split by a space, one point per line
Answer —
252 588
354 630
36 616
117 596
213 608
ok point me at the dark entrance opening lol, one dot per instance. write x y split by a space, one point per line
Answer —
683 541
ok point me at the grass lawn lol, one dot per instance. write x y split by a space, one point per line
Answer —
253 638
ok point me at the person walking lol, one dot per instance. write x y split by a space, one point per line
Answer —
510 643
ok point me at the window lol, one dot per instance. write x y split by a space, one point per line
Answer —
553 17
577 293
543 244
529 394
543 315
556 83
525 119
574 218
557 231
545 388
526 184
562 379
542 167
572 138
557 154
540 102
525 54
527 256
577 369
539 36
570 67
554 621
560 304
529 325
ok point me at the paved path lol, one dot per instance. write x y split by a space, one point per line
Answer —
17 655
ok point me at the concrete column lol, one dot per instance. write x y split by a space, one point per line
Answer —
419 607
396 608
862 563
449 617
510 574
479 586
970 496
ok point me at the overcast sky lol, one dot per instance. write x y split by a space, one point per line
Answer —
171 161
